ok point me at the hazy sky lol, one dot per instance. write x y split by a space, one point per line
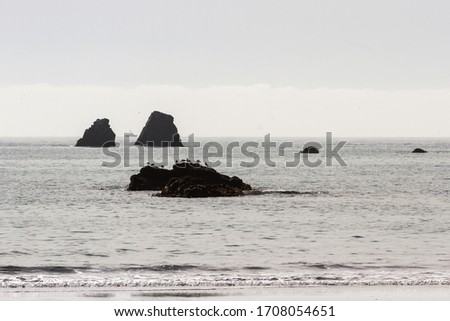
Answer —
226 68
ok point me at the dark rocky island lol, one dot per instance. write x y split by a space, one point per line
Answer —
310 150
187 179
159 131
419 151
99 134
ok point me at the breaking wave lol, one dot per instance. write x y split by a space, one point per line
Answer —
186 275
34 282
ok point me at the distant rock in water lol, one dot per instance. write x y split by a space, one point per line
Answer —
310 150
159 131
187 179
419 150
99 134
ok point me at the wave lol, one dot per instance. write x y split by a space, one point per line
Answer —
111 187
13 269
354 266
201 269
269 281
188 275
161 268
284 192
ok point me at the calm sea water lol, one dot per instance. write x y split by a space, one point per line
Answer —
66 220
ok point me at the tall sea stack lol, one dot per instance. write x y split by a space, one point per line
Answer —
99 134
159 131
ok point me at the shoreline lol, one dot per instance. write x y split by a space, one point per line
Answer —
307 293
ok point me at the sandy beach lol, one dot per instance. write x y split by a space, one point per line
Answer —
314 293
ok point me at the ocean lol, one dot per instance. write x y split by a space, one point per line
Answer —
67 220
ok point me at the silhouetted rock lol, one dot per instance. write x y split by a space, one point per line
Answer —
187 179
189 186
159 131
99 134
310 150
419 150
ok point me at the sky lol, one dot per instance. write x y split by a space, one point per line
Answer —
226 68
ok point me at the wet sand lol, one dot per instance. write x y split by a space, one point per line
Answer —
312 293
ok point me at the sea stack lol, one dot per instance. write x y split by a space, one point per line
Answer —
419 150
159 131
99 134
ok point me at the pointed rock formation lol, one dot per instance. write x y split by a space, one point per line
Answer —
99 134
159 131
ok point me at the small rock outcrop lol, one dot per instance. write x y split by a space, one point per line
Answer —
187 179
159 131
99 134
419 150
310 150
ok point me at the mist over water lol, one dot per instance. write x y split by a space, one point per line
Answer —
384 219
